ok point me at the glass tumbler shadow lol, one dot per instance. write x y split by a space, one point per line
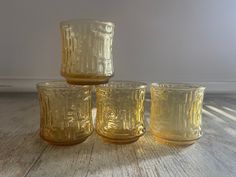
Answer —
87 51
120 111
65 112
176 112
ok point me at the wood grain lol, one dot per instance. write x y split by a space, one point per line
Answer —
24 154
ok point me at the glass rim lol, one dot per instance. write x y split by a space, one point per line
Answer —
178 86
60 84
86 20
128 85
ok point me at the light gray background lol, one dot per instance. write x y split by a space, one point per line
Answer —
167 40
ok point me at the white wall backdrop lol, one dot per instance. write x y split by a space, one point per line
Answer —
167 40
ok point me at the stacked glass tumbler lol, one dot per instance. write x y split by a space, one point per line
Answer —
66 107
87 60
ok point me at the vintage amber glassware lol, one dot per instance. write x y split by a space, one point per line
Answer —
120 111
87 51
65 112
176 112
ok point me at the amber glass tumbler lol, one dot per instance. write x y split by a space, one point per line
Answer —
65 112
176 112
87 51
120 111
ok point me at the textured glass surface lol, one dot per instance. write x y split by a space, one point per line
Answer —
120 111
65 112
87 51
176 112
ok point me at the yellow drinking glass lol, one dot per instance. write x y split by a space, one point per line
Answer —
87 51
120 111
176 112
65 112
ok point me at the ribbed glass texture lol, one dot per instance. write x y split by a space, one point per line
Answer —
120 111
176 112
65 112
87 51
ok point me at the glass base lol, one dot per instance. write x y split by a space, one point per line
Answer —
118 141
66 143
87 80
176 142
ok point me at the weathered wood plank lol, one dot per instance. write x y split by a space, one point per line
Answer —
24 154
20 145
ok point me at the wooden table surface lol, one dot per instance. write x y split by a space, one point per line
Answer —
24 154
